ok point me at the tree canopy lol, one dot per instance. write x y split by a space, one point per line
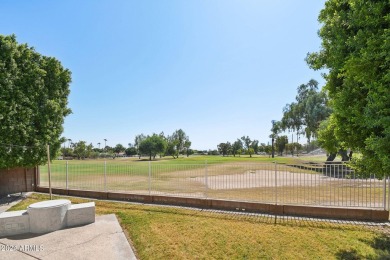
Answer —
34 93
356 52
306 114
152 145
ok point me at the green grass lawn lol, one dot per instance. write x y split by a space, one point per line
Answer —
135 166
232 177
201 159
159 232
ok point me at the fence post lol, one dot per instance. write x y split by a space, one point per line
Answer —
105 176
67 180
150 178
206 179
384 192
388 197
276 185
49 170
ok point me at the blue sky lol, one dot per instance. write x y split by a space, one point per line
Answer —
218 69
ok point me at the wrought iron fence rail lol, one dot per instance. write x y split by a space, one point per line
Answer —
320 184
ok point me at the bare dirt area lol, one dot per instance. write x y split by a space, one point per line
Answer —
265 178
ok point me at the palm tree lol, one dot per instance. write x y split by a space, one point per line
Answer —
99 145
105 140
69 140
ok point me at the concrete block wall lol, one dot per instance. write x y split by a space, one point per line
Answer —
17 180
289 210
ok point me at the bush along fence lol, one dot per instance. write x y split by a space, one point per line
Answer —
319 185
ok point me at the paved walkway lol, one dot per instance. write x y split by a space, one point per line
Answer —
103 239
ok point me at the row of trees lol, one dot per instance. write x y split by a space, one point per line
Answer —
159 144
304 116
149 145
245 145
352 111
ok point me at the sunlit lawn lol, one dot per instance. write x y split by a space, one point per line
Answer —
175 233
228 178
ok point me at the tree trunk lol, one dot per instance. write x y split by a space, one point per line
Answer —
344 155
331 157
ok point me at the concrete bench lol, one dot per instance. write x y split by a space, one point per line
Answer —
46 216
14 223
80 214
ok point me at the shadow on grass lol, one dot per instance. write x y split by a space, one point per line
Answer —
380 244
351 254
7 199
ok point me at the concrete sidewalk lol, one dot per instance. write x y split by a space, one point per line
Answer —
103 239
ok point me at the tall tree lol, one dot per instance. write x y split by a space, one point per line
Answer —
80 150
131 151
224 148
237 147
152 145
180 138
187 145
310 109
247 145
255 146
178 143
34 93
119 148
280 143
355 50
137 141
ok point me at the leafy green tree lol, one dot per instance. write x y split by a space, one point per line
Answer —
137 141
119 148
180 138
248 145
67 152
255 146
178 143
237 147
213 152
171 148
152 145
355 51
268 149
246 141
34 93
187 145
89 151
131 151
250 151
329 141
80 149
310 109
280 143
224 148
